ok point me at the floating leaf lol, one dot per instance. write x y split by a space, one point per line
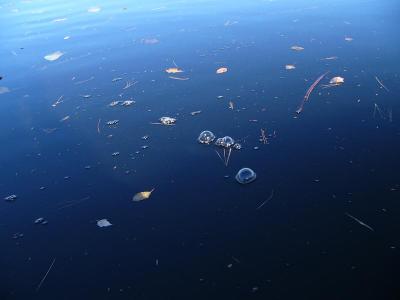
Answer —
142 196
221 70
173 70
53 56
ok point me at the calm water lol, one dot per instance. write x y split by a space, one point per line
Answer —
200 235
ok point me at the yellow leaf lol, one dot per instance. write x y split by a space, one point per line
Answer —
173 70
142 196
221 70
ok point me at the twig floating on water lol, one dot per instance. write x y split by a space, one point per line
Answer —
45 275
73 202
84 81
229 155
129 84
263 137
179 78
98 126
359 222
381 84
308 93
59 100
265 202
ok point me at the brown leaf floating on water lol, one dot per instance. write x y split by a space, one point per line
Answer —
142 196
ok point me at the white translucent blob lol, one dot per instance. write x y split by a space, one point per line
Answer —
103 223
53 56
167 120
206 137
94 9
245 175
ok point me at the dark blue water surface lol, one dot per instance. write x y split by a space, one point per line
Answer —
330 228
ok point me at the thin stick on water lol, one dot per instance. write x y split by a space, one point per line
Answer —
266 201
263 137
45 275
59 100
129 84
229 155
98 126
309 91
377 109
220 157
381 84
359 222
390 115
73 202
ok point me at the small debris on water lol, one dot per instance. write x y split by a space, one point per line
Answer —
221 70
173 70
4 89
53 56
18 235
193 113
112 122
94 9
103 223
11 198
297 48
40 221
114 103
65 119
127 103
142 195
167 120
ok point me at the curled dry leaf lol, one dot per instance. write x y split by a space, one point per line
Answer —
221 70
142 196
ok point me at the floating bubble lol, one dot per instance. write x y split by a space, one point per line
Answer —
226 142
206 137
245 175
237 146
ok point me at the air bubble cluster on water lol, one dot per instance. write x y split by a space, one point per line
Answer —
245 175
207 137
